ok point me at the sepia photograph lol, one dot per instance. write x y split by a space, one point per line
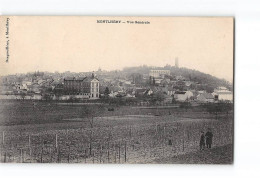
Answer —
116 90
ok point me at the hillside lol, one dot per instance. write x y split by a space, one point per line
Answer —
189 74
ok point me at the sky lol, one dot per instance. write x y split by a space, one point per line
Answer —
80 44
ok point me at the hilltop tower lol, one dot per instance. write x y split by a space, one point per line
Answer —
177 62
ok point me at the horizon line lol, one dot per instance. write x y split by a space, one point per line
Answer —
30 72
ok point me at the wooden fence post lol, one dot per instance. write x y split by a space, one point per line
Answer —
69 155
93 158
59 157
41 154
29 141
183 144
108 159
119 151
85 155
51 155
163 148
22 155
3 138
130 132
100 154
115 155
108 152
125 151
56 141
30 150
5 157
90 148
9 156
174 145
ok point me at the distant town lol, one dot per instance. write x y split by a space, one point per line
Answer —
145 85
143 114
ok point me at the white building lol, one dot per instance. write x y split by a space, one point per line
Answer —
159 73
94 93
223 94
205 98
158 80
182 95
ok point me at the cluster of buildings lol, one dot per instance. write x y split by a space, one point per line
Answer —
157 84
180 90
37 86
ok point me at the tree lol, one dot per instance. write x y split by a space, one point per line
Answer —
92 111
153 81
173 100
106 93
58 91
137 78
72 98
23 95
158 96
46 96
58 95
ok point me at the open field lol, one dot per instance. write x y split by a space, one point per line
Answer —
64 134
40 112
217 155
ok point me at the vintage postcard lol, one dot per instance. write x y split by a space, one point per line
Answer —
116 90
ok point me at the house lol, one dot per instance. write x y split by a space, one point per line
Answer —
140 92
24 87
170 91
179 85
167 99
179 78
201 91
58 87
188 83
37 97
205 97
158 80
120 94
164 82
40 81
113 94
149 92
26 83
182 95
82 86
223 94
129 96
35 87
65 97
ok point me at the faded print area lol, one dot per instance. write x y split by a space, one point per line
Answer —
116 90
